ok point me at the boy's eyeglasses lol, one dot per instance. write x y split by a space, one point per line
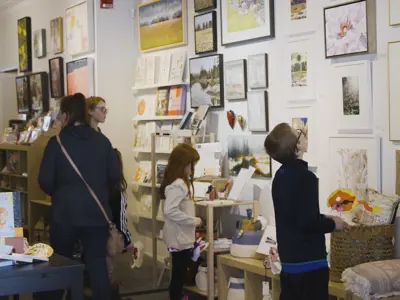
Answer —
301 133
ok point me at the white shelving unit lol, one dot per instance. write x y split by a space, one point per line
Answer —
157 118
159 85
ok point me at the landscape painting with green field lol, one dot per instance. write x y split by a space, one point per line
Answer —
204 33
161 24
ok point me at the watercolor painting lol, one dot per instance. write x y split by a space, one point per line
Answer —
298 9
346 29
235 79
39 43
248 150
245 15
299 69
301 124
205 32
351 96
56 35
162 24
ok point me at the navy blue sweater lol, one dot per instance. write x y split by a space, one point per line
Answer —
299 225
95 158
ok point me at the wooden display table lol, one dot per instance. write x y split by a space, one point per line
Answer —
254 275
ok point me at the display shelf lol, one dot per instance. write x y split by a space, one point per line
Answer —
222 203
156 118
144 150
148 217
13 175
196 290
159 85
42 202
148 185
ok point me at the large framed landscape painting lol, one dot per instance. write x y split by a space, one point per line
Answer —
246 20
248 150
207 81
162 24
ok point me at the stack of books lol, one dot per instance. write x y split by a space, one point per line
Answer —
222 244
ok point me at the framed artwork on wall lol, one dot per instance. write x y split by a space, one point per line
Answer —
162 24
352 86
201 5
56 35
80 77
56 68
23 102
257 109
79 24
205 32
39 43
350 28
207 80
394 12
248 150
301 17
236 79
39 91
394 90
248 21
25 44
355 163
258 71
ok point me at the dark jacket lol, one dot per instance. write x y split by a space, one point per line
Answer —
118 204
300 227
92 153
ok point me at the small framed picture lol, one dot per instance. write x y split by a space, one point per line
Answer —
39 43
257 107
56 68
201 5
39 91
22 86
236 79
258 71
205 32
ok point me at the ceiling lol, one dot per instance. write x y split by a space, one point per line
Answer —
5 4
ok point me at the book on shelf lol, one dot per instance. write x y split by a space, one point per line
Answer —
177 100
160 169
146 106
143 172
165 65
151 62
162 101
10 213
140 72
178 64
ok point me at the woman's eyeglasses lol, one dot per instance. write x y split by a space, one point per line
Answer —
103 109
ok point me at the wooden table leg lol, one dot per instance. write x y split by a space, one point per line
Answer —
77 287
253 286
223 279
210 253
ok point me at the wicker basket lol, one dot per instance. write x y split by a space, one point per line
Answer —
359 245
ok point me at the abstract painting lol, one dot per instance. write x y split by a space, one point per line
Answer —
162 24
205 32
351 95
248 150
346 29
25 44
39 43
56 67
80 77
207 81
80 28
56 35
246 20
298 9
299 69
39 91
301 125
235 79
200 5
22 86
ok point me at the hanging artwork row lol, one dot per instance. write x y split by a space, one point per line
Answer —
32 93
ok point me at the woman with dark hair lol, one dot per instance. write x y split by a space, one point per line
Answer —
75 214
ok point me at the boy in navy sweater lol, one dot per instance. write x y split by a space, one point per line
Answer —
300 227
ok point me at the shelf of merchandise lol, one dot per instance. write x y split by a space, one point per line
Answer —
159 85
156 118
209 206
141 184
144 150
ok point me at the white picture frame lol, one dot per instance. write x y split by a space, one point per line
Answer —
352 89
257 110
258 71
235 79
305 22
394 12
358 154
394 90
80 40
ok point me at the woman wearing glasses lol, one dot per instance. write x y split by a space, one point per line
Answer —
97 111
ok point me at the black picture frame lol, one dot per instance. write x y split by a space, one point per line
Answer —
39 89
244 62
271 20
23 94
367 30
266 71
196 87
26 41
56 91
212 6
214 32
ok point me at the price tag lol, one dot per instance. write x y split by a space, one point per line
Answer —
265 288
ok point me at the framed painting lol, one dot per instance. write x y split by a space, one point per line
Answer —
56 35
246 20
394 12
80 77
301 17
39 91
25 44
207 80
162 24
39 43
236 79
352 85
248 150
350 28
205 32
355 163
201 5
258 71
79 24
257 110
394 90
23 98
56 68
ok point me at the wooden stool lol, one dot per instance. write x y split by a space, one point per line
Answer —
167 267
